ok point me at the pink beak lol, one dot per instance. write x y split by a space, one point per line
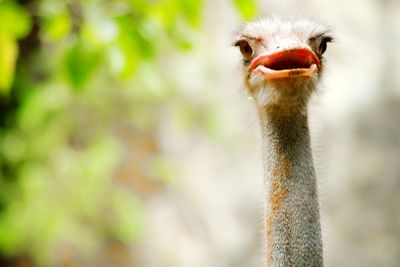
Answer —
286 63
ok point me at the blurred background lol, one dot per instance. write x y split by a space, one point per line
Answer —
126 138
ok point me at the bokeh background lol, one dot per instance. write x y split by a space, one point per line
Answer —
126 138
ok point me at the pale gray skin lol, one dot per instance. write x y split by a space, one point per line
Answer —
292 221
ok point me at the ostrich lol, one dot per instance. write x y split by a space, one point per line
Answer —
282 64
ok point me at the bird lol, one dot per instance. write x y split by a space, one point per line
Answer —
282 65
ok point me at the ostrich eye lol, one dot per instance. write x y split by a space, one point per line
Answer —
323 45
245 48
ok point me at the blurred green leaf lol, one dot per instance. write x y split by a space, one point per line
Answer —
56 27
139 5
192 10
8 58
134 45
15 23
14 20
80 63
11 235
246 8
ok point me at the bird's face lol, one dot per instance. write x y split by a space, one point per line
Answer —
282 61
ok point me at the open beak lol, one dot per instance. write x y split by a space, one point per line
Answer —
286 63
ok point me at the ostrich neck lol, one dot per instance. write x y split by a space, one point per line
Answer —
293 233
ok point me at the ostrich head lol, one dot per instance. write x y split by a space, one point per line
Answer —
282 61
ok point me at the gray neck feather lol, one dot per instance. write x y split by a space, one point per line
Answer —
293 233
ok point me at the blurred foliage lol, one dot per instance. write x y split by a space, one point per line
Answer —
71 73
15 24
247 8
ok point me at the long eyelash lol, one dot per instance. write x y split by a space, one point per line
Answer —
323 35
254 38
